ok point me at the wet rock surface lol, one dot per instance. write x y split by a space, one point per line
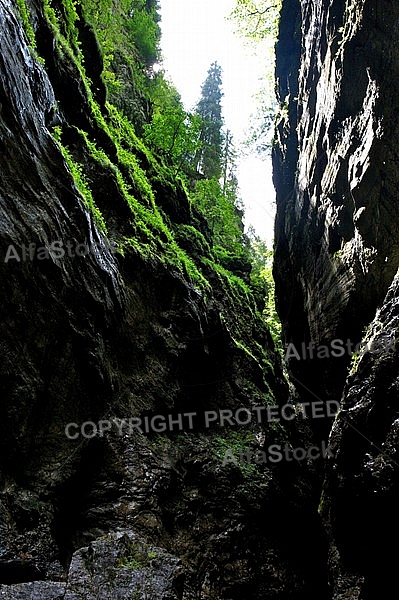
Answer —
119 565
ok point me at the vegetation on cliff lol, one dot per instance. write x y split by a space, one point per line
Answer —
142 141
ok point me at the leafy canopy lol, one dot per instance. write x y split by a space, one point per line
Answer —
257 22
173 133
257 19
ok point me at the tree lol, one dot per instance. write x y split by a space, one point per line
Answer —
257 21
262 283
223 217
208 159
173 132
229 156
144 28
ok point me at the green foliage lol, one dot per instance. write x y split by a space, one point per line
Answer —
29 30
235 440
260 135
257 19
122 132
144 30
257 22
338 255
175 142
262 283
81 183
151 237
270 313
192 241
186 143
235 262
230 183
223 217
354 363
51 16
68 27
174 134
237 285
128 33
237 293
137 556
25 18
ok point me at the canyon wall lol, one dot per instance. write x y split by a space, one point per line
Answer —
335 170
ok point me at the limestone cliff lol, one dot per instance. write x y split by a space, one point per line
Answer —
336 235
335 169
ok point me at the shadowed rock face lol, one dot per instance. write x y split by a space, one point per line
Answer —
112 336
360 494
336 259
337 223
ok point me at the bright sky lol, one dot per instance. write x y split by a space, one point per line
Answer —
195 33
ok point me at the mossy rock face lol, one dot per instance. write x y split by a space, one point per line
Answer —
238 265
119 565
171 196
192 241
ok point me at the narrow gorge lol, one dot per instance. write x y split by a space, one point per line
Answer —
137 367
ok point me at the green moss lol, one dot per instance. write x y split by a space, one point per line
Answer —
138 176
338 255
51 17
29 31
136 172
354 363
236 284
137 556
236 440
125 134
62 21
152 240
237 294
71 33
81 183
25 18
192 240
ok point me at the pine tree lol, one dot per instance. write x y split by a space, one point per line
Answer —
209 157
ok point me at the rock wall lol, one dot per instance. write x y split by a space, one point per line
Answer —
336 258
336 234
360 493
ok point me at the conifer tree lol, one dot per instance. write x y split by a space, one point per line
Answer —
209 157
